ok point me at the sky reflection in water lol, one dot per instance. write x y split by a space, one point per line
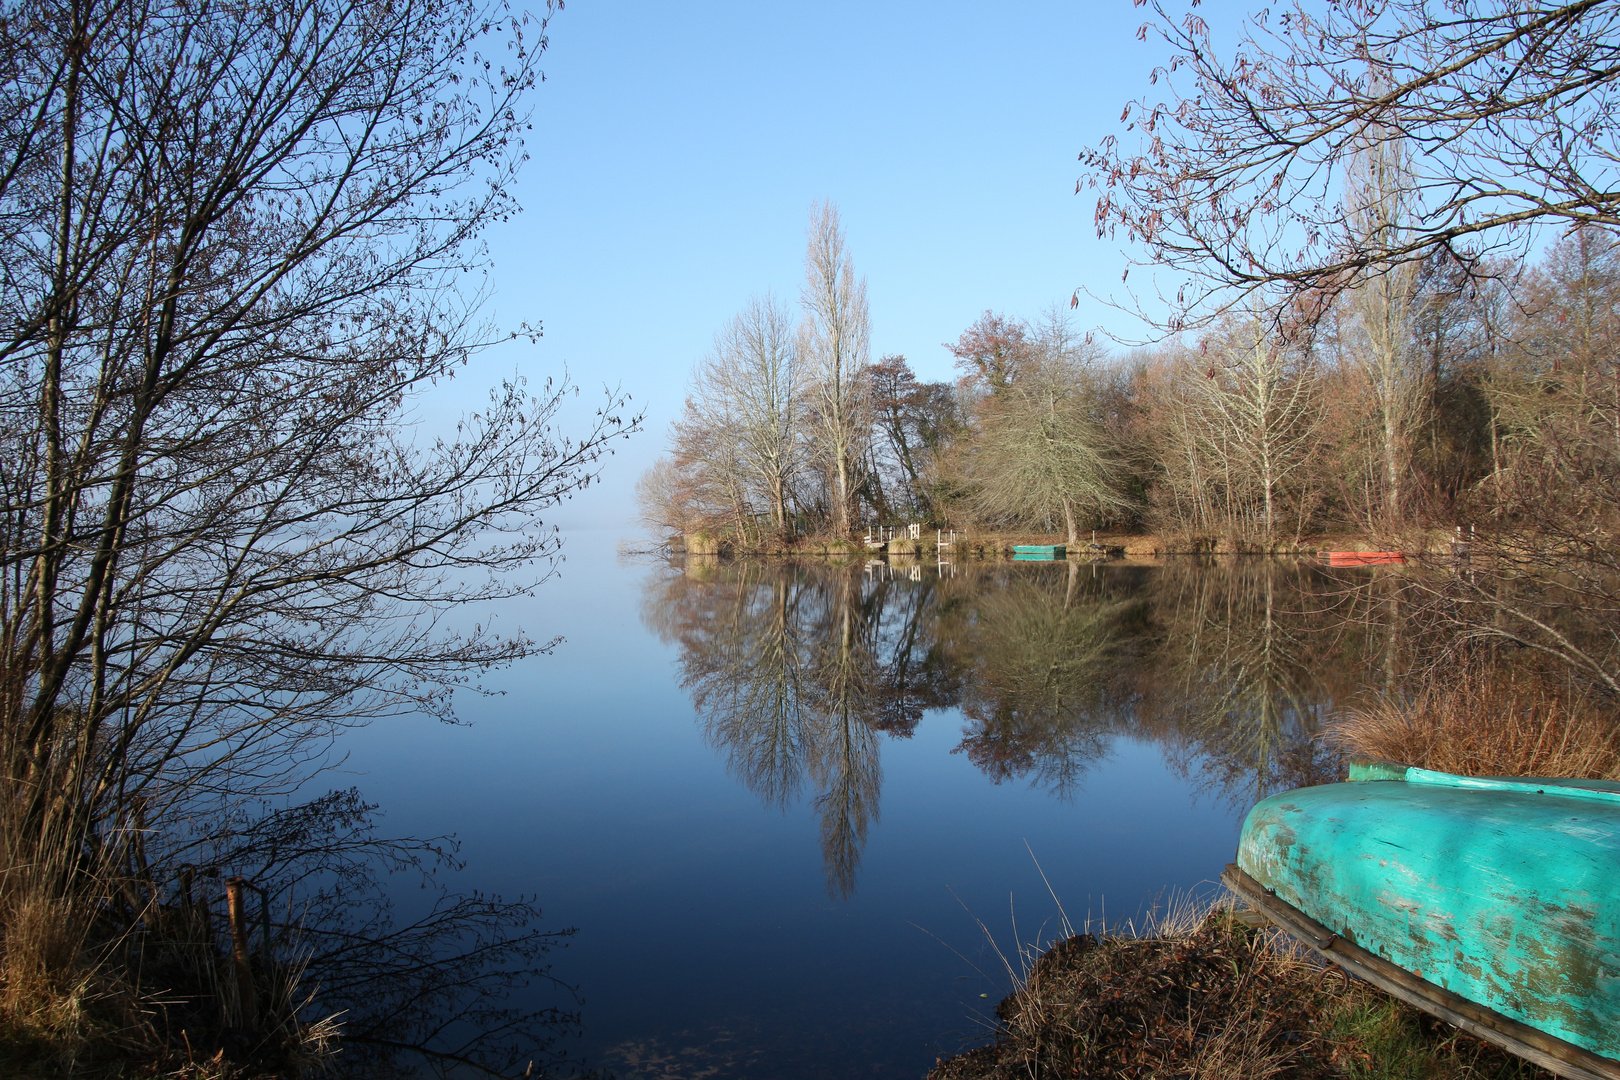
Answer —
775 798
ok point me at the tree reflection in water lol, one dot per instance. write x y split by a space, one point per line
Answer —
1251 657
1046 654
798 670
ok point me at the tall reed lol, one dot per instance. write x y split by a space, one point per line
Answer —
1490 719
106 966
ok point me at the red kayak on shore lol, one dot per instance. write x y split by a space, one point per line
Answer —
1361 558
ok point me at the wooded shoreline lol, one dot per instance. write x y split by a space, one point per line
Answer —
1112 544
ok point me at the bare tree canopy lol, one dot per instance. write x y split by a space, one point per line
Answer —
1042 455
234 241
836 335
913 423
1234 179
1251 416
744 409
992 352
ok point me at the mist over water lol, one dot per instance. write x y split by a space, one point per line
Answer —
778 799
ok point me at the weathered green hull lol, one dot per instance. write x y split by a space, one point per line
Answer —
1504 893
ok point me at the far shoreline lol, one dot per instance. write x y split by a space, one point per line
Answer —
1101 545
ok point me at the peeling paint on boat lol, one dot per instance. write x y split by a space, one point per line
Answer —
1505 893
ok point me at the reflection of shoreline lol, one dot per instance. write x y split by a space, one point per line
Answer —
1145 546
799 669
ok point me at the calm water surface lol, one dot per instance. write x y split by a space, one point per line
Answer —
778 801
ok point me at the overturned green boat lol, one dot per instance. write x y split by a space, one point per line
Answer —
1039 552
1491 902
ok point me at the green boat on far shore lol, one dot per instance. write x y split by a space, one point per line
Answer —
1490 902
1039 552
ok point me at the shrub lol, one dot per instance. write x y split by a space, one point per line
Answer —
1490 720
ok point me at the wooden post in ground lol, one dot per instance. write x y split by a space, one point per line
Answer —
264 936
235 907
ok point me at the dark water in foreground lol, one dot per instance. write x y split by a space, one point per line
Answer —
778 800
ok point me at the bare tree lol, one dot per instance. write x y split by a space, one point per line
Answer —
835 345
993 352
709 457
914 424
736 447
753 378
1258 408
233 243
1042 452
1234 185
664 497
1562 398
1379 202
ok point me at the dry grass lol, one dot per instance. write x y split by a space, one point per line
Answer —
1207 996
61 1008
46 991
100 979
1490 721
63 1011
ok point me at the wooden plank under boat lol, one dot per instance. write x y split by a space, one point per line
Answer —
1040 551
1490 902
1361 558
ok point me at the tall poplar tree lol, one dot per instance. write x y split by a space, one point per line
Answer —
836 349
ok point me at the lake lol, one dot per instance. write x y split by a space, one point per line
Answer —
804 816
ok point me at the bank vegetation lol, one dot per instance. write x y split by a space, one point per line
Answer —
1485 394
233 239
1208 993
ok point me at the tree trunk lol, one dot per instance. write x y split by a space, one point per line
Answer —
1392 468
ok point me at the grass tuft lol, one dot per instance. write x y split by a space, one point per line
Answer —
1212 997
1490 721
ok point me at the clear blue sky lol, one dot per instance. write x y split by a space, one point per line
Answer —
677 149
